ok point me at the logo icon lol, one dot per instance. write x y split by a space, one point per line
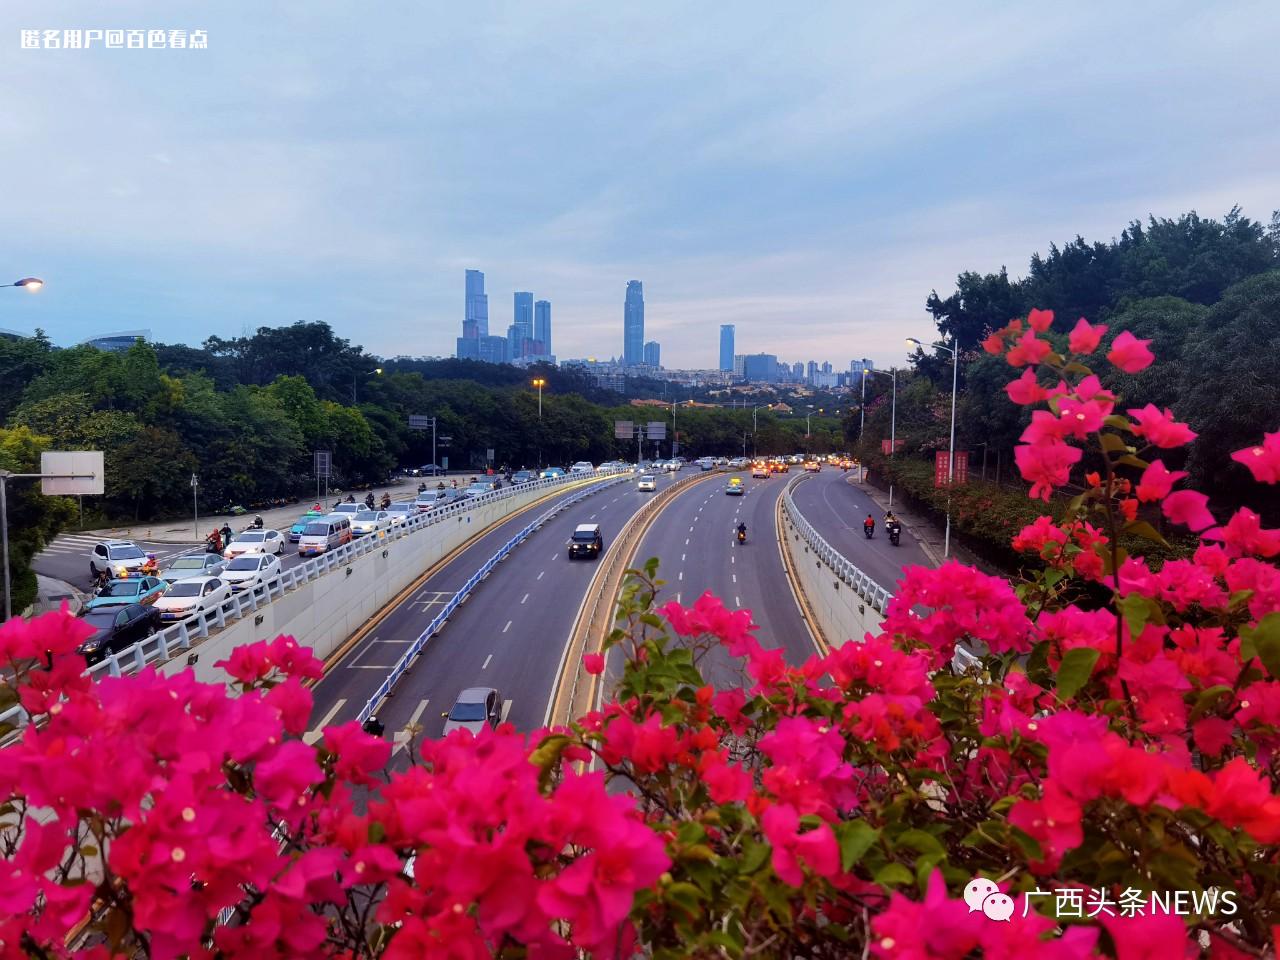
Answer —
983 894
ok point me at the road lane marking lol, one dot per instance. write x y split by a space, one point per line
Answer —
737 601
524 598
540 573
682 558
506 711
507 627
735 577
592 517
681 576
485 665
311 736
402 737
686 539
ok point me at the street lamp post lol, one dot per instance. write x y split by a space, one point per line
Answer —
806 421
539 383
862 409
354 378
29 283
954 350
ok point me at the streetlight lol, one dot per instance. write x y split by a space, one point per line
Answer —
862 409
354 378
539 383
954 350
31 283
806 421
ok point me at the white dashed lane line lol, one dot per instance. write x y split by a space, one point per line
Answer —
524 598
311 736
485 665
507 627
540 573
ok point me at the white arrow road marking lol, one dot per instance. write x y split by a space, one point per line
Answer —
311 736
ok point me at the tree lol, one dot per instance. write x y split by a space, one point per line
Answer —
152 471
34 519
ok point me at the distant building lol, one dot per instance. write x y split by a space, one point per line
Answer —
542 324
652 354
633 324
475 319
811 370
797 371
855 366
118 341
760 368
521 328
726 346
493 350
469 348
739 366
826 381
826 366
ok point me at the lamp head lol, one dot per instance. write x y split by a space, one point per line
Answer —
913 342
31 283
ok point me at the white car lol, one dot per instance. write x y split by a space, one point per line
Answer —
401 511
114 556
251 571
647 484
672 466
583 466
188 598
370 521
255 542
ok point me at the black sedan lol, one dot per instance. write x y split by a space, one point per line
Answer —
117 628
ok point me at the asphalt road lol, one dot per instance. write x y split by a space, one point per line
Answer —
695 542
510 634
837 508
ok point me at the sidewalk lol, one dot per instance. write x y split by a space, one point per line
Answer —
276 518
929 535
51 594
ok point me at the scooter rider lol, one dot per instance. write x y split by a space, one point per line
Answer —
742 532
869 526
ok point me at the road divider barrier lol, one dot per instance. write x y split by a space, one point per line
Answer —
313 601
845 602
569 698
437 624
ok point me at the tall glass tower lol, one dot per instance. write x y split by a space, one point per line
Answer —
726 346
475 321
542 324
633 324
522 321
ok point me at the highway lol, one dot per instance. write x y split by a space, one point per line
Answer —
509 635
837 508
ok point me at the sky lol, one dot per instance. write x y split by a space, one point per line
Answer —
808 172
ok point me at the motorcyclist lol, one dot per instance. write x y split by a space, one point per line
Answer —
214 541
386 501
422 488
150 568
869 525
742 531
368 500
440 485
257 523
316 508
350 498
226 535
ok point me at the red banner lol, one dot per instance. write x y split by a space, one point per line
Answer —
941 464
897 446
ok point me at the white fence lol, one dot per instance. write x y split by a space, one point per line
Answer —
163 646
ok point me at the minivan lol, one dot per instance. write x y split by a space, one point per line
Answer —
325 534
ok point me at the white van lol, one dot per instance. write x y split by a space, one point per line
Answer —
324 533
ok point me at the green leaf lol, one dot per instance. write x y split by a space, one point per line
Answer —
1074 671
893 875
1129 460
1140 528
921 842
1263 641
855 838
1118 422
1207 700
1136 610
1113 444
548 755
754 855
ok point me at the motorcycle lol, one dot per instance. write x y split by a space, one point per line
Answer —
256 525
869 530
742 536
895 534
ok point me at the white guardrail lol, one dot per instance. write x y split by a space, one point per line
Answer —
870 591
166 643
437 624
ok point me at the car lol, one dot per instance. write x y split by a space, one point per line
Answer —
117 628
295 531
552 473
119 593
116 557
673 466
370 521
586 541
479 488
735 487
779 466
647 483
706 463
760 472
255 541
523 476
475 708
430 470
812 466
188 598
350 509
739 463
193 565
430 499
722 461
400 511
583 466
250 571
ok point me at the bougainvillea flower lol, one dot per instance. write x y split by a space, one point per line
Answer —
1129 353
1189 508
1040 320
1157 482
1262 460
1028 350
1159 427
1025 390
1046 465
1085 336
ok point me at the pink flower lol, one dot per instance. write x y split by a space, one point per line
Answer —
1052 821
1129 353
1040 320
1159 427
709 615
1149 936
1188 508
285 777
357 754
936 928
294 703
1085 337
1263 460
1035 537
1046 465
1028 350
1157 482
1083 417
593 663
1026 390
1245 535
816 849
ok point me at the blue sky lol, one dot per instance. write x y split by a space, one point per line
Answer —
806 171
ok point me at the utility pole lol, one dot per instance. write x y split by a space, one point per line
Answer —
195 506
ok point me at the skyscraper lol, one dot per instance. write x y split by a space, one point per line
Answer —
633 324
653 354
475 322
811 370
542 324
523 322
726 346
760 368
